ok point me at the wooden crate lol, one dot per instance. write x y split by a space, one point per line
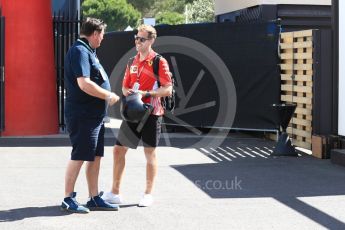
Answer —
296 53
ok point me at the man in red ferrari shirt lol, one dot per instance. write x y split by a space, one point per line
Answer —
141 72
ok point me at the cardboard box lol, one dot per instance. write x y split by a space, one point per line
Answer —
321 145
318 146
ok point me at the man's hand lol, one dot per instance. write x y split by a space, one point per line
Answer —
112 99
128 92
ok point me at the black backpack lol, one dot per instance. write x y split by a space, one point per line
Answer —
168 102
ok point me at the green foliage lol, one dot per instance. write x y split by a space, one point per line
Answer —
171 18
193 10
143 6
169 6
200 11
118 14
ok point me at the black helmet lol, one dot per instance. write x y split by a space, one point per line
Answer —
133 109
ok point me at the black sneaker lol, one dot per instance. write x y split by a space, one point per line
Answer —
70 204
97 203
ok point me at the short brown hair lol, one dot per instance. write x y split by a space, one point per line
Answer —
149 29
91 25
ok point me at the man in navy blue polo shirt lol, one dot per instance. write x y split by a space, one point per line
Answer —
88 95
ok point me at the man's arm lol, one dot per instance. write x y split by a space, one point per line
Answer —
91 88
162 91
165 80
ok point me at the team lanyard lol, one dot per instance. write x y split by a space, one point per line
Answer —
139 72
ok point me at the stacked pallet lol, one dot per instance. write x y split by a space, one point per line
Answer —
296 49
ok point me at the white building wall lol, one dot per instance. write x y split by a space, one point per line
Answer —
227 6
341 105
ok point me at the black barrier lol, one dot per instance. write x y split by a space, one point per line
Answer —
323 20
324 113
335 62
248 51
284 146
2 73
66 31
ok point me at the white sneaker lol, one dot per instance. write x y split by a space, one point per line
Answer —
146 200
112 198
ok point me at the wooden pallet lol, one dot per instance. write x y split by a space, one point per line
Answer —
296 49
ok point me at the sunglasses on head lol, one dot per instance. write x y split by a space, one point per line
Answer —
141 39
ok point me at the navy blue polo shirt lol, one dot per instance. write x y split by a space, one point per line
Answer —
81 60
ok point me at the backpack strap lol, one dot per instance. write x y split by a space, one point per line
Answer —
130 62
155 64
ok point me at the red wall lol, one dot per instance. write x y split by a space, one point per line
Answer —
30 85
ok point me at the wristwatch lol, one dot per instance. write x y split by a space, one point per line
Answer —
147 94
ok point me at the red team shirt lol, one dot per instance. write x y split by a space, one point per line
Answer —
142 72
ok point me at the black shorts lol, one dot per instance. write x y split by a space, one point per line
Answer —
87 138
129 137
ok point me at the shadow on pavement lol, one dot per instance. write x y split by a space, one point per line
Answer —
246 170
176 140
29 212
128 205
60 140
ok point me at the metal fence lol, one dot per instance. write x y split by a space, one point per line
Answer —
2 72
66 31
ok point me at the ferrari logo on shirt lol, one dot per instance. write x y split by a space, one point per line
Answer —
134 69
150 62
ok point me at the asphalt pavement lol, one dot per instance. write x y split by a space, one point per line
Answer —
232 185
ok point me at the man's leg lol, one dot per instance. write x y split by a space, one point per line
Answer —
69 203
119 166
96 202
151 172
72 172
151 168
126 138
92 173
